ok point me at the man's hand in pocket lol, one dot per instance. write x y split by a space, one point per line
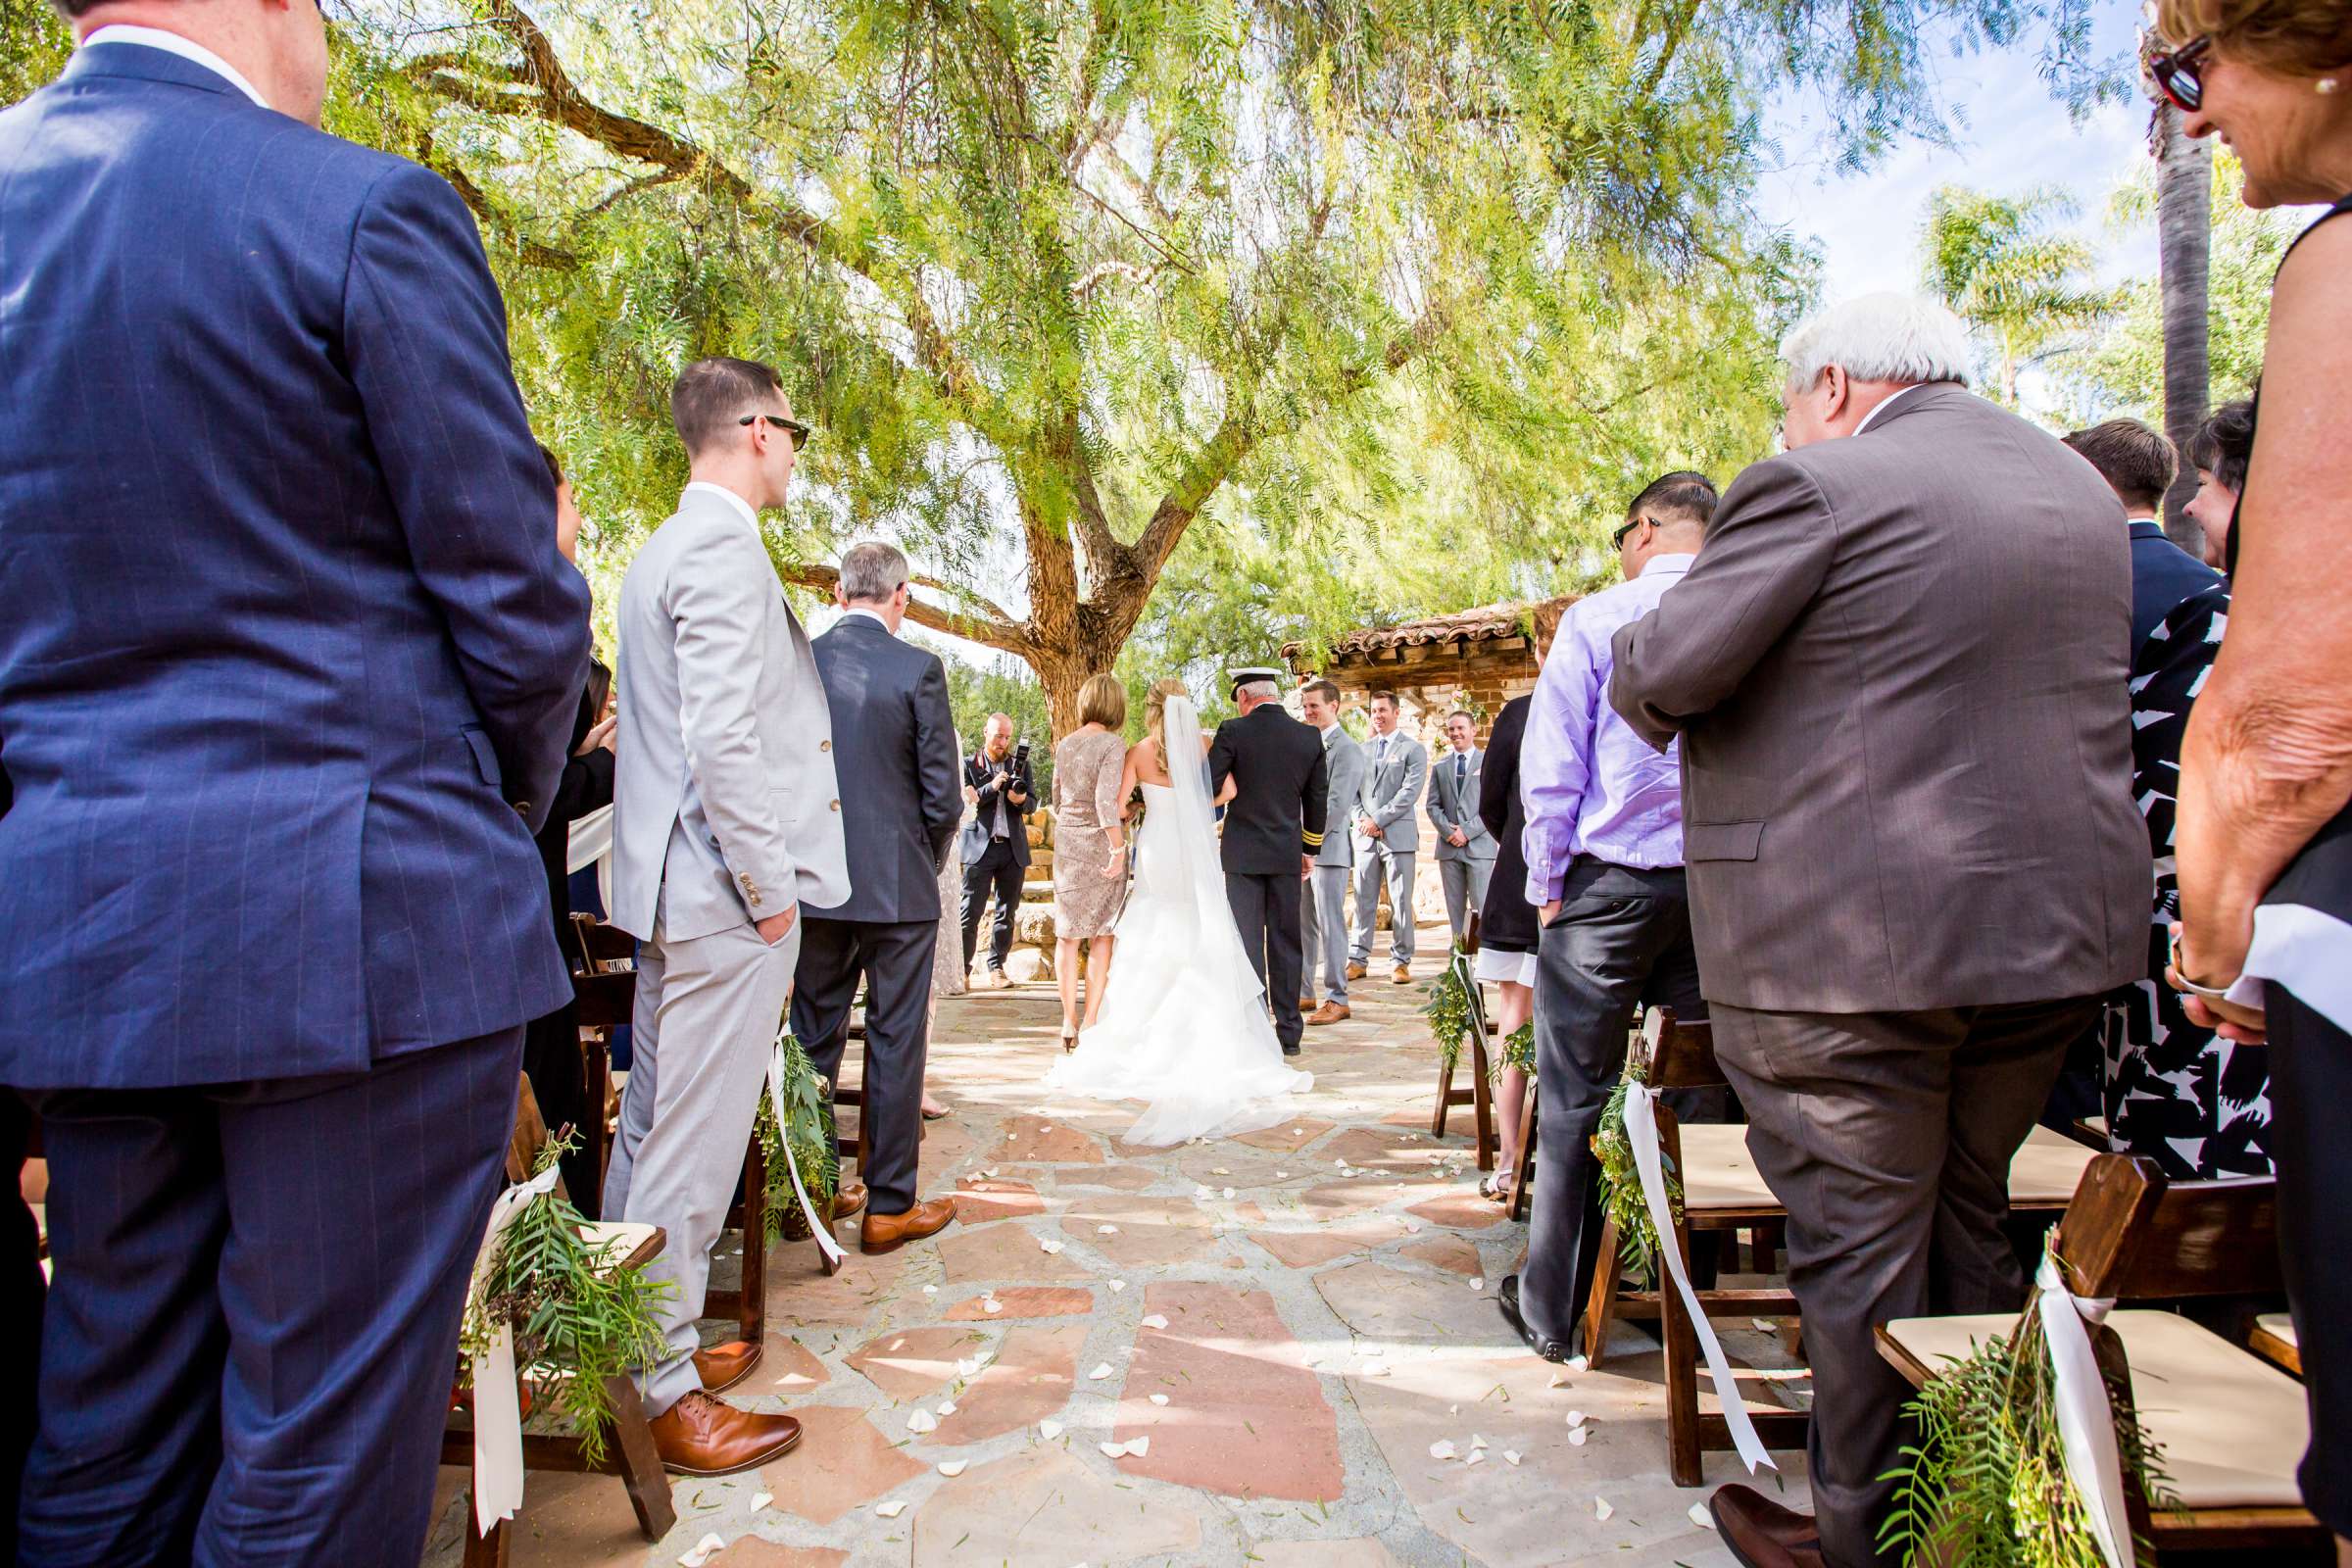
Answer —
776 927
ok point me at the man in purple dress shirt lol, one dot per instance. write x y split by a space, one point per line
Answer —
1604 869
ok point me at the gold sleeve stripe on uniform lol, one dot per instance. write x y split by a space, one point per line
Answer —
1314 841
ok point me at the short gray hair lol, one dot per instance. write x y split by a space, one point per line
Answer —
1878 337
1260 688
870 572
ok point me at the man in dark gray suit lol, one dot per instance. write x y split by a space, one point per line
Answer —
1898 670
895 754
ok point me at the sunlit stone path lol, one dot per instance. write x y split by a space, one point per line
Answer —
1275 1331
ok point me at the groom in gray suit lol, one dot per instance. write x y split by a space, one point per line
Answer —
726 819
1465 849
1326 921
1387 838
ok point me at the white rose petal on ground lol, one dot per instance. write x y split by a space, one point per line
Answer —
1159 1399
930 1290
1155 1321
1477 1442
760 1500
1116 1285
1559 1380
953 1468
1510 1457
1219 1170
992 1308
1601 1509
890 1511
1700 1517
1576 1419
1579 1363
920 1421
1478 1283
1100 1373
1577 1436
701 1551
1047 1244
947 1408
1139 1447
1108 1230
1200 1192
1049 1430
1440 1451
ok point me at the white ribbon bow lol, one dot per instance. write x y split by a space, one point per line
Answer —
1641 1131
2085 1412
775 1102
497 1406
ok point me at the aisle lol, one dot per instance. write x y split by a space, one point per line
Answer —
1280 1325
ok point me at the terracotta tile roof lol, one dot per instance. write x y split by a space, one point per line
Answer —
1485 623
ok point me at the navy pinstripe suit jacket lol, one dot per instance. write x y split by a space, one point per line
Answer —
285 630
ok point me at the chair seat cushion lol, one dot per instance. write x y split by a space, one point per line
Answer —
1718 1172
2278 1325
2231 1427
621 1241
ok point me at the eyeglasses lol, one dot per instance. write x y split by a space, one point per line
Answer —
2178 74
790 428
1617 539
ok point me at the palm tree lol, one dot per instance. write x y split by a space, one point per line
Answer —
2183 232
1993 260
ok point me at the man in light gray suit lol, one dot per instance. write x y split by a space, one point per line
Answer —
726 819
1899 671
1387 838
1326 920
1465 849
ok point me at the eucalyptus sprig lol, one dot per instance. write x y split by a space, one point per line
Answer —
808 1111
1621 1197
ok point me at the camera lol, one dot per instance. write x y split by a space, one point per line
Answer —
1020 754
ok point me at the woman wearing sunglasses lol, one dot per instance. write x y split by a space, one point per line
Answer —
2263 837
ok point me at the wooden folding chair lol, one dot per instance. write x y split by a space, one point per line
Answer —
2231 1428
2272 1338
630 1452
1479 1096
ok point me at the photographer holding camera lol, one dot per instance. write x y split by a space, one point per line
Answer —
996 843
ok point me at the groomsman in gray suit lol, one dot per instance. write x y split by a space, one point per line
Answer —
1327 887
1387 838
1465 849
726 819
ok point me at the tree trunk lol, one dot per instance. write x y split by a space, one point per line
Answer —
2183 233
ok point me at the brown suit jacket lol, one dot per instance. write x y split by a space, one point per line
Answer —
1899 669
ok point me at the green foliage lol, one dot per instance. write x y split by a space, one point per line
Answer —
2024 288
578 1321
1518 1054
1985 1484
809 1115
37 44
2124 370
1453 1008
1621 1199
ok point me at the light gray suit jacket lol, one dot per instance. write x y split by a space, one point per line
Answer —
1449 808
1898 668
1390 790
1344 761
724 805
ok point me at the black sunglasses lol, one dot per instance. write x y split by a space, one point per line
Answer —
792 427
2176 72
1617 539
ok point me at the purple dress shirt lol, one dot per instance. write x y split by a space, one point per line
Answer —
1589 785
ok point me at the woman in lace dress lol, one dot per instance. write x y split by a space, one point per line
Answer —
948 976
1090 848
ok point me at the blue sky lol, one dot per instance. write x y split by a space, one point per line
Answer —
2010 133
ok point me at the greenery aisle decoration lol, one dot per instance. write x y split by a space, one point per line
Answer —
1986 1485
1621 1197
1518 1051
577 1319
809 1108
1451 1010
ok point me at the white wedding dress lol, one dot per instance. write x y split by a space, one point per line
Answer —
1184 1022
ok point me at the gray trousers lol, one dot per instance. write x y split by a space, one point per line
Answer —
1398 869
1325 928
1888 1137
1465 882
1621 941
706 1018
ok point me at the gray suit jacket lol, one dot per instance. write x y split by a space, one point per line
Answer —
1449 808
724 805
1390 791
1898 668
1344 759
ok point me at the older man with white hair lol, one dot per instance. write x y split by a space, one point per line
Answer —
1898 672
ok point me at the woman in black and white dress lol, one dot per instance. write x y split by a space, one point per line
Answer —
1506 925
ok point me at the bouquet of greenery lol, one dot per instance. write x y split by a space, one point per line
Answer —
578 1318
1518 1051
1452 1010
1621 1197
1986 1485
808 1116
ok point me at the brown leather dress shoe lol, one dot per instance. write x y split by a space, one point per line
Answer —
700 1436
848 1199
1329 1012
1355 971
1761 1533
1306 1003
887 1232
1401 975
722 1366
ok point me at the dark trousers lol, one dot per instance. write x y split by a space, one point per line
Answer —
1265 909
1888 1137
22 1292
254 1322
894 958
2311 1084
998 870
1622 940
558 1068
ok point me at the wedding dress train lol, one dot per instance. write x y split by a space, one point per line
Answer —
1184 1022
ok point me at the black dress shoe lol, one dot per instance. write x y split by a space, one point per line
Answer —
1506 1296
1290 1050
1762 1534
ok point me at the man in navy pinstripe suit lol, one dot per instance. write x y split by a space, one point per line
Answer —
287 667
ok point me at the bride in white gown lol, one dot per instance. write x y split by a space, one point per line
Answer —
1184 1022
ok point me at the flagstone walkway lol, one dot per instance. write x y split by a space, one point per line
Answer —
1273 1331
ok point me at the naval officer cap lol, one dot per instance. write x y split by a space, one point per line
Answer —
1239 678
